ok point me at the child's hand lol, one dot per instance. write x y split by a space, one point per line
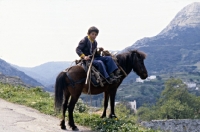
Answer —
86 58
101 49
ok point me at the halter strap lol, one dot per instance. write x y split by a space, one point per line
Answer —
72 82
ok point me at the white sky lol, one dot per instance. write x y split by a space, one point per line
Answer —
33 32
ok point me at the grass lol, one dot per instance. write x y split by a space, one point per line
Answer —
108 125
33 97
42 101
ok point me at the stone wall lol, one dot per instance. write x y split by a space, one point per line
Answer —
172 125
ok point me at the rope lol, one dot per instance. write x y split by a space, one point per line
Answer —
88 79
89 70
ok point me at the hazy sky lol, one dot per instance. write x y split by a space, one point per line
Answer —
33 32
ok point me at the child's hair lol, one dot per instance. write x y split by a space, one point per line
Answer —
93 29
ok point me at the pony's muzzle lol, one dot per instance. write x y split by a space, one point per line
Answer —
144 76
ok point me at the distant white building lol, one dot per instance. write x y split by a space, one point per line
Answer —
191 84
152 77
148 79
132 103
139 80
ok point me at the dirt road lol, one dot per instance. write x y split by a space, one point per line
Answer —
18 118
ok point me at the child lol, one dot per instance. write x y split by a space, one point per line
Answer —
104 64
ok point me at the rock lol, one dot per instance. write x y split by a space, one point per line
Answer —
187 17
172 125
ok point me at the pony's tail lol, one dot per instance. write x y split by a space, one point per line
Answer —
60 85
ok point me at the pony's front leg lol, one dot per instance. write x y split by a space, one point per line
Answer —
70 111
106 98
112 104
64 108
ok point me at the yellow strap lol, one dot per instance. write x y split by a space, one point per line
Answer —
82 55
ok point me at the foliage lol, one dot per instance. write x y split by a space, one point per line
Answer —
126 123
108 125
124 110
146 92
81 107
175 103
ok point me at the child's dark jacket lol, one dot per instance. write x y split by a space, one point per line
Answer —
105 65
85 47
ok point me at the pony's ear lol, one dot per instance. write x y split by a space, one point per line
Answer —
142 54
133 51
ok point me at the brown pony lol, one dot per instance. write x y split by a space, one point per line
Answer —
69 84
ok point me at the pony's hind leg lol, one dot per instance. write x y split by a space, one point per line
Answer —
106 98
71 106
64 108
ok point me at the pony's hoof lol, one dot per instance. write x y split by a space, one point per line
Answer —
63 127
112 116
75 128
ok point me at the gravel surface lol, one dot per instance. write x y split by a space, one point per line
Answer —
19 118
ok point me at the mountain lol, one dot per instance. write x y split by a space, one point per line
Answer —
177 47
8 70
45 73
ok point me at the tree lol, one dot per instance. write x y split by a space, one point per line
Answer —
175 103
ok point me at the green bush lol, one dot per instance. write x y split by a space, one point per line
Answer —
108 125
81 107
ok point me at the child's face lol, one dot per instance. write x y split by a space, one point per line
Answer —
93 35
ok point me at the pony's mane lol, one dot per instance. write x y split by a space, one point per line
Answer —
144 55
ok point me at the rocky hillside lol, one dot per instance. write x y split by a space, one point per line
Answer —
177 47
9 70
12 80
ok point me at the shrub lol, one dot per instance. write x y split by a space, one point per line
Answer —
108 125
81 107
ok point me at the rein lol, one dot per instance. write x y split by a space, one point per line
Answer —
121 69
115 59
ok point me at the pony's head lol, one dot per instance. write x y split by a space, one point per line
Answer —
138 66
